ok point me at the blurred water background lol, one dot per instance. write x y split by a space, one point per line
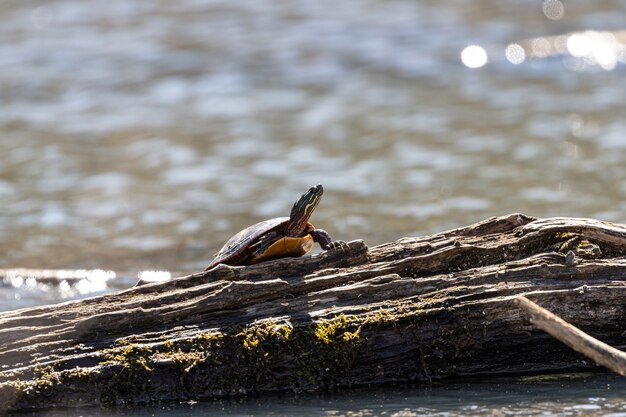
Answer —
141 135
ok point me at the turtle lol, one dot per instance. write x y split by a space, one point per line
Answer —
280 237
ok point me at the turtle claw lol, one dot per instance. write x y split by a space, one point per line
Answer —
338 244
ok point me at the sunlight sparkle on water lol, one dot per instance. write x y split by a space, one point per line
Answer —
81 281
581 51
596 48
515 54
541 47
154 276
579 45
553 9
474 56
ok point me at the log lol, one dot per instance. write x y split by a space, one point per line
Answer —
411 311
599 352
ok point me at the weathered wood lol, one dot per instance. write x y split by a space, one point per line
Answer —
408 311
598 351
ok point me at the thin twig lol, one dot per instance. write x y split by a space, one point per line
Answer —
573 337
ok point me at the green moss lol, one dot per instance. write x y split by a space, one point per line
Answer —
130 356
46 382
265 354
335 330
264 330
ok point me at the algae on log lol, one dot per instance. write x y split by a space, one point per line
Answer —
409 311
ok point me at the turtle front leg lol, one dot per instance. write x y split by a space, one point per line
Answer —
326 242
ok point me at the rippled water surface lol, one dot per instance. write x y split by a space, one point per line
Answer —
141 135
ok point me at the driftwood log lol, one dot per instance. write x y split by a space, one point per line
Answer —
409 311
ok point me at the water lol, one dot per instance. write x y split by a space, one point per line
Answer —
141 136
591 396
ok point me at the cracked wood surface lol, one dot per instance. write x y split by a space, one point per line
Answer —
421 308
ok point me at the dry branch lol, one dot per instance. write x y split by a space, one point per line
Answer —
573 337
408 311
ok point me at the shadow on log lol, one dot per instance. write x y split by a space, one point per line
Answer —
409 311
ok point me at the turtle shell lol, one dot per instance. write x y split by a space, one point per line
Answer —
237 245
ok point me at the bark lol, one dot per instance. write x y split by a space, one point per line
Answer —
409 311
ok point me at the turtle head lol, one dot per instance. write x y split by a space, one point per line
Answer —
302 210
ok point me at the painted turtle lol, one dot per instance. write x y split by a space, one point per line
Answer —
278 238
